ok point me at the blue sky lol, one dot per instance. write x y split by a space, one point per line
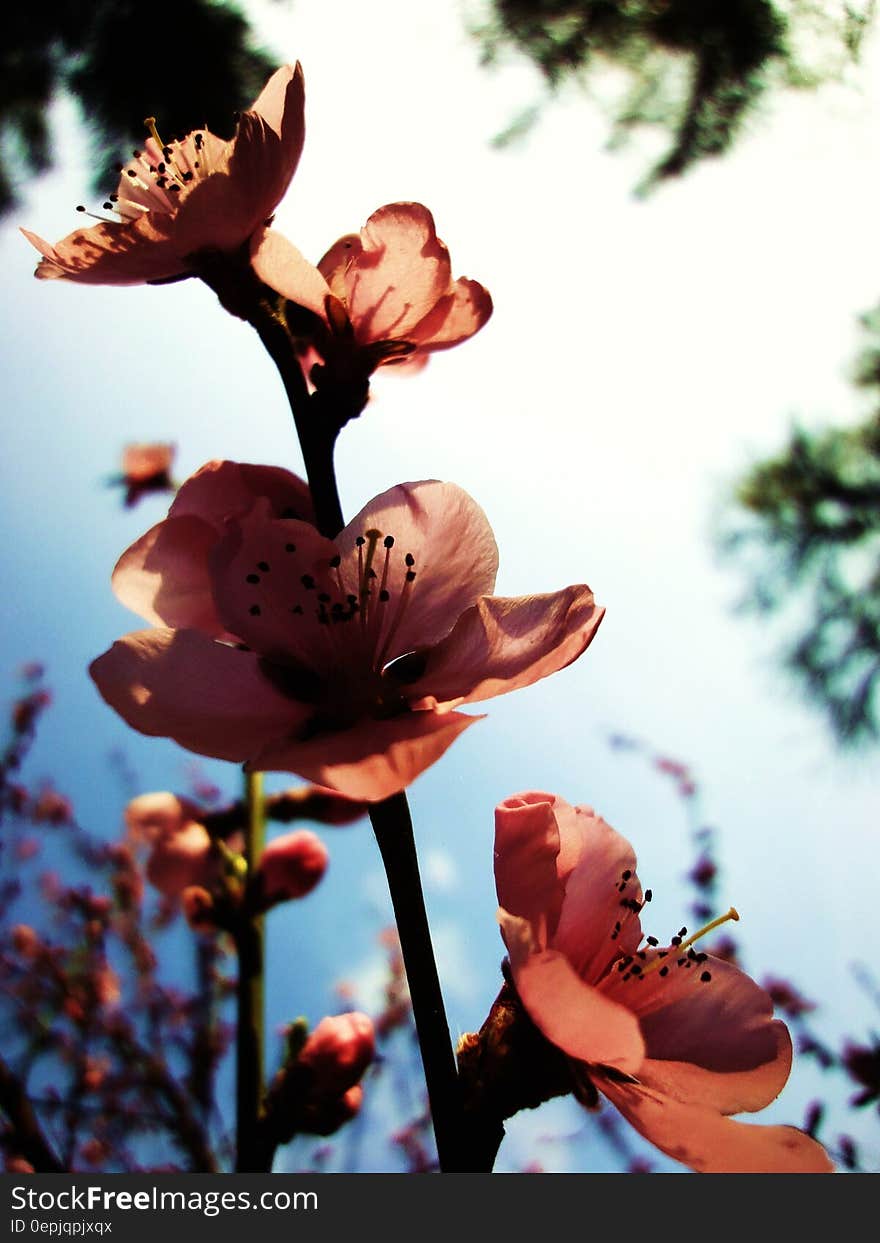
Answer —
641 354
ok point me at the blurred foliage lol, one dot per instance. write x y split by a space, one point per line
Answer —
808 529
189 62
692 67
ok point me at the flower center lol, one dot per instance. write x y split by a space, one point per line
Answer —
154 179
343 618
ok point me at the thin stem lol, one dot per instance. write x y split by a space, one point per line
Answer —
317 430
249 1032
394 833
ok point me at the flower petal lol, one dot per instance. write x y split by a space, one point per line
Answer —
730 1092
599 919
724 1025
401 272
572 1015
279 264
259 570
454 551
526 850
222 489
371 760
710 1143
210 698
461 312
335 263
164 576
502 644
112 253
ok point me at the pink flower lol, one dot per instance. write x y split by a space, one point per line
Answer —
675 1039
176 199
290 867
384 295
146 468
340 660
181 852
338 1052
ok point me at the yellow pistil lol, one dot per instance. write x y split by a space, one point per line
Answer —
732 914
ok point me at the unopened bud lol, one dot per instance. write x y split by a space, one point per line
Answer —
198 908
338 1051
25 940
290 867
181 859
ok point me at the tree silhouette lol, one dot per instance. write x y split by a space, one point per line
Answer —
807 528
693 68
192 60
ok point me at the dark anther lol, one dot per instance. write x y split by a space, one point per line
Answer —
682 932
297 608
160 167
679 962
252 578
80 208
187 176
290 547
360 541
706 977
107 206
384 596
648 895
131 173
625 875
409 559
308 582
335 562
254 610
636 969
114 198
161 182
621 886
664 971
264 566
174 189
653 941
324 598
199 140
675 941
410 576
388 541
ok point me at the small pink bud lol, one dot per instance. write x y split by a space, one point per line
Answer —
18 1165
25 940
151 816
290 867
181 859
329 806
198 908
338 1051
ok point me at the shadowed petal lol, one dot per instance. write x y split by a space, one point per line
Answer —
111 253
595 925
401 272
334 265
371 760
723 1024
710 1143
221 490
454 551
730 1092
164 577
502 644
210 698
280 265
574 1016
526 850
458 315
258 570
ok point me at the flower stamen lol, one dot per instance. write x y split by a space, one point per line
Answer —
680 946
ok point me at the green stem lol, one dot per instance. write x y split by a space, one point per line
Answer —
250 1156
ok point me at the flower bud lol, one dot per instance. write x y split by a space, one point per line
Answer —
181 859
290 867
338 1052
